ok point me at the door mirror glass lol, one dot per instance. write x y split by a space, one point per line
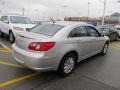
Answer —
102 35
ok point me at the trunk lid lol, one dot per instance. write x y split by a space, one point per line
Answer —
24 39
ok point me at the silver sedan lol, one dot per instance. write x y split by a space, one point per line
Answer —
58 46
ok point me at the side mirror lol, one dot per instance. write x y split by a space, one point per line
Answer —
5 21
102 35
28 29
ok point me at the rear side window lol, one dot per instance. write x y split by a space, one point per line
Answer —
47 29
78 32
81 31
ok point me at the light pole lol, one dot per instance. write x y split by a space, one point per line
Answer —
57 13
64 7
119 16
28 7
88 10
2 3
104 9
23 11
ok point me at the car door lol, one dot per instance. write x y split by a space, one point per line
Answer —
5 24
112 33
1 23
83 43
96 40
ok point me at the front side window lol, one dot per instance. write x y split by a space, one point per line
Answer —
92 31
4 18
78 32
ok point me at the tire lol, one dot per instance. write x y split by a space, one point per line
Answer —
105 49
1 34
67 64
117 38
11 37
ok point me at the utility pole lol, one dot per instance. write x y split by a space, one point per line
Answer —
119 16
57 13
2 3
104 9
28 7
64 7
88 10
23 11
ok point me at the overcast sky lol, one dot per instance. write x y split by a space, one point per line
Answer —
43 9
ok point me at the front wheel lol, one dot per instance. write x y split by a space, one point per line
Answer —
117 37
105 49
11 37
67 64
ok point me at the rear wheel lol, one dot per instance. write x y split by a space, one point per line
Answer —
1 34
105 49
11 37
67 64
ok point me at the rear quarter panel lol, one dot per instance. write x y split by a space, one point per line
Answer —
62 47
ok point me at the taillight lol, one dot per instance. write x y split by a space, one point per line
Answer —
41 46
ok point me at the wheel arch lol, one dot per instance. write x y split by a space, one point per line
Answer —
10 31
107 42
72 51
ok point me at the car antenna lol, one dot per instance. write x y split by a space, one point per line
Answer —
52 20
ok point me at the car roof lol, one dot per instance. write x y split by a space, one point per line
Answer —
66 23
13 15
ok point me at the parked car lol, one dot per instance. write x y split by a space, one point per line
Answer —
13 24
58 46
117 28
109 31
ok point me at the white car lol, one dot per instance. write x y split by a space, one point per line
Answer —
117 28
13 24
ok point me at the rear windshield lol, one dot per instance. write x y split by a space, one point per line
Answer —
47 29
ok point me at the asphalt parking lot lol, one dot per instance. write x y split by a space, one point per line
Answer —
96 73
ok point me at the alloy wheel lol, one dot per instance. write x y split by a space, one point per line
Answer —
69 65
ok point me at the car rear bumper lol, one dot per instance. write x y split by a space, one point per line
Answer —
34 61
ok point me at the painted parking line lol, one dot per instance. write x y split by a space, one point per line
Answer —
11 64
3 45
115 45
7 83
7 51
4 48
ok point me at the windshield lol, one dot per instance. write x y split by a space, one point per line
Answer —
47 29
22 20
